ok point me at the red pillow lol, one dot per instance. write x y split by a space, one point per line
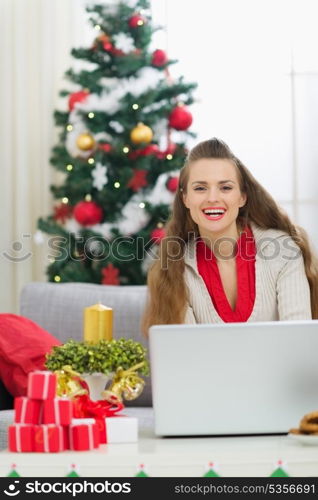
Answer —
23 345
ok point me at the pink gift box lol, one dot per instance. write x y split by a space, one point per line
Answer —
20 437
27 411
57 411
41 385
49 438
83 436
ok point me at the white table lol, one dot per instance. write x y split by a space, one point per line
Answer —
181 457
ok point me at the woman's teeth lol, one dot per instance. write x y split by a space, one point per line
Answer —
214 212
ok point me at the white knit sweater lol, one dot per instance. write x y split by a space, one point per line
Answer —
282 289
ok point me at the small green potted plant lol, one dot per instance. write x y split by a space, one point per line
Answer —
98 362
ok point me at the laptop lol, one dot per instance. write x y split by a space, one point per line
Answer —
234 378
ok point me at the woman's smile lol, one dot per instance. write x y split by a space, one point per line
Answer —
214 213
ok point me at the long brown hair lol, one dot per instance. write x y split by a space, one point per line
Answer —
167 297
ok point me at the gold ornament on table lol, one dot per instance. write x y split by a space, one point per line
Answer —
98 323
141 133
68 382
85 141
126 384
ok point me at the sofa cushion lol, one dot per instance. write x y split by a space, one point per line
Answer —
23 346
58 307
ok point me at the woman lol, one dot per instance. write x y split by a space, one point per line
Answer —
230 254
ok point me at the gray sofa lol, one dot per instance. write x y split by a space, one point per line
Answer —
58 308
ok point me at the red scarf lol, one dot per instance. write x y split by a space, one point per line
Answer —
245 269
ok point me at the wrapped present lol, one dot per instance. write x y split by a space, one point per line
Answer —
27 411
21 437
57 411
101 425
49 438
117 429
121 429
83 436
41 385
84 407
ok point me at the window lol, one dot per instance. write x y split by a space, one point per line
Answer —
256 64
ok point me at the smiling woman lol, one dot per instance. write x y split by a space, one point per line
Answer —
231 253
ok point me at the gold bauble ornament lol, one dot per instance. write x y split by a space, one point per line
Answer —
141 133
126 384
68 382
85 141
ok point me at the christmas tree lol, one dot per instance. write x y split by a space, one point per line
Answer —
141 471
13 472
279 470
122 143
211 472
73 472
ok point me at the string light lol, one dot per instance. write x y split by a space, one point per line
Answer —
91 115
69 167
91 161
117 185
57 278
169 157
88 197
126 149
142 205
65 200
140 22
69 127
135 106
160 225
97 27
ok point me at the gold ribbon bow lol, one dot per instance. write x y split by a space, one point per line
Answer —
68 382
125 384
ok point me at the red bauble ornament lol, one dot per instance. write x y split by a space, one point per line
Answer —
104 146
138 180
172 184
151 149
108 46
77 97
88 213
159 58
110 275
136 21
180 118
157 235
62 212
